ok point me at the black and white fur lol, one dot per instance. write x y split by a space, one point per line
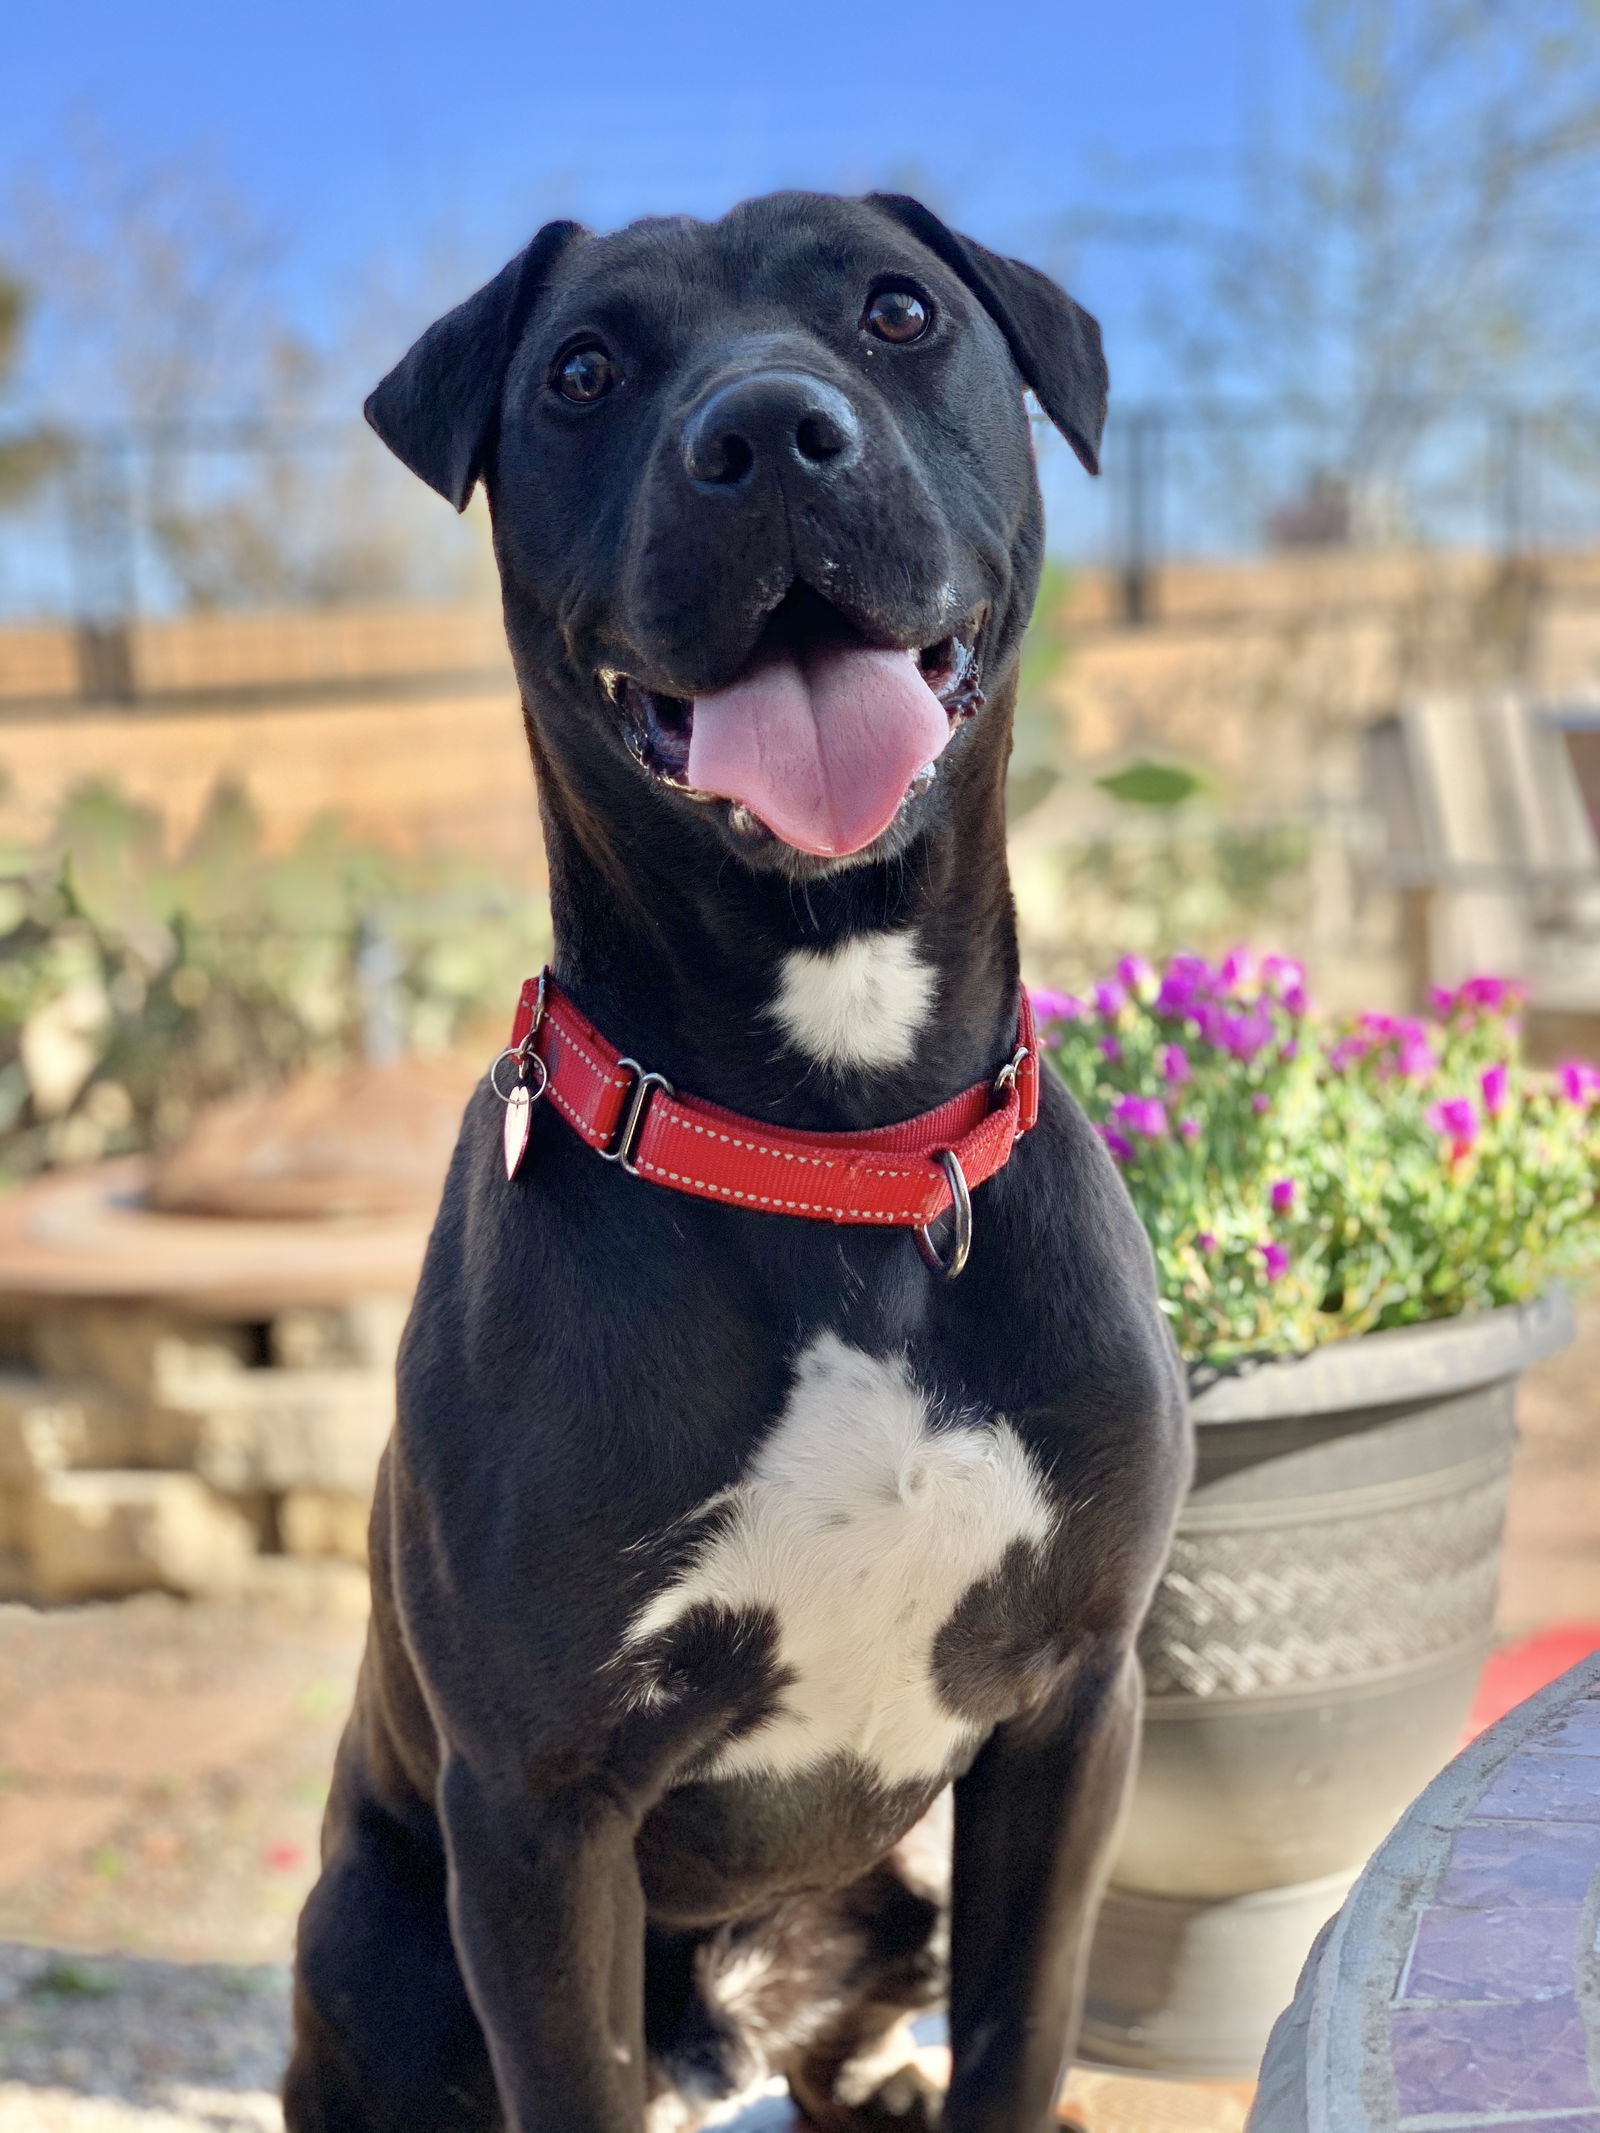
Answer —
712 1546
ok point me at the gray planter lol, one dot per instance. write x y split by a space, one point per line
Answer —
1309 1662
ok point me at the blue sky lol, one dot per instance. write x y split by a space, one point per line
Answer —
401 151
360 127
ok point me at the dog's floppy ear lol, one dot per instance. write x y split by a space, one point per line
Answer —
1053 341
438 407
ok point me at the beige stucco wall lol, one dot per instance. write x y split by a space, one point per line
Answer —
1259 673
406 724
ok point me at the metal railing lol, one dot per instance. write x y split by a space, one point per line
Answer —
1191 481
123 520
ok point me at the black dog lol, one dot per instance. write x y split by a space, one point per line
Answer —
712 1544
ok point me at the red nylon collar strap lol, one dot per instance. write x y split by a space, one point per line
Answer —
893 1176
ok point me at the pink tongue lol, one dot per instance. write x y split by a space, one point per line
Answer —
821 747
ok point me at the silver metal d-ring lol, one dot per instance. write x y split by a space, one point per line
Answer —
1006 1079
961 1208
524 1059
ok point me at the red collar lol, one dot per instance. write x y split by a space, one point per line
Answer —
900 1177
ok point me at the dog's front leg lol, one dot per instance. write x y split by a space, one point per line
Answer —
1034 1818
548 1921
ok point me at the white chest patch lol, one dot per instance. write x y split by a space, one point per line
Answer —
861 1528
859 1004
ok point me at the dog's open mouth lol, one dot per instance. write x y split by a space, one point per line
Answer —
821 739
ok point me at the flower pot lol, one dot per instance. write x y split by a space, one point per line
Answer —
1309 1663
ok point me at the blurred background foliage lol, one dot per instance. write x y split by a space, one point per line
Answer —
1037 759
1170 878
138 981
1156 865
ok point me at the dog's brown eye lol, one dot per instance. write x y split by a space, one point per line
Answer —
897 315
588 373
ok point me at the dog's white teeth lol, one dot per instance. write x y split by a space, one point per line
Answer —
743 820
923 779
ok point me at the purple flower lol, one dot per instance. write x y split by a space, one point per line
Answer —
1579 1082
1442 999
1189 1128
1346 1052
1495 1081
1417 1058
1184 979
1109 999
1120 1146
1110 1049
1457 1120
1052 1006
1261 1103
1135 973
1143 1115
1283 975
1175 1065
1206 1241
1238 967
1297 1001
1282 1195
1247 1034
1276 1256
1289 1051
1493 996
1241 1036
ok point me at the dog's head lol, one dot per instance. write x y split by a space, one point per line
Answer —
765 509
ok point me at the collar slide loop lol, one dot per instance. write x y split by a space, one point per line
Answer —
627 1141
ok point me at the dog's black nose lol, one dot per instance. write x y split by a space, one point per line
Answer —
773 418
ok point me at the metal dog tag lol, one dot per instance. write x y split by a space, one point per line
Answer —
519 1100
519 1124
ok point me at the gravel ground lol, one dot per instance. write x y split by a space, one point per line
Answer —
162 1772
123 2044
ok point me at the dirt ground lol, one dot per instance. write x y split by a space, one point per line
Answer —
162 1772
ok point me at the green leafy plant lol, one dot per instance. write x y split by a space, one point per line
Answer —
1303 1180
1147 784
139 982
65 1978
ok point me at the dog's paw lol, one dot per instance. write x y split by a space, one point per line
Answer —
907 2101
